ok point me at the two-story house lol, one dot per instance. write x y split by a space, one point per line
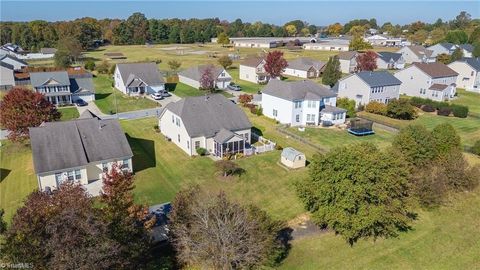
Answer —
303 67
252 70
435 81
417 53
468 70
55 85
367 86
193 75
136 79
348 61
301 103
390 60
78 151
210 122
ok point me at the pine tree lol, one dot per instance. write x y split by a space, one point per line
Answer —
332 71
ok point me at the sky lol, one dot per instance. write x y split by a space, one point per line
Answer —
276 12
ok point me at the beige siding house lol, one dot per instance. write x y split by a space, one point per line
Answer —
468 70
303 67
211 122
348 61
7 79
193 75
252 70
417 53
78 151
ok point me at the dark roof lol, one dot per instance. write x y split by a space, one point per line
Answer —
252 61
332 109
347 55
447 45
62 145
297 90
467 47
195 73
40 78
304 63
6 65
3 56
436 69
48 50
208 115
81 85
473 62
438 87
378 78
387 56
147 73
225 135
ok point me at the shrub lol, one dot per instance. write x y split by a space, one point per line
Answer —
279 147
104 67
347 104
376 108
245 99
444 111
201 151
259 111
428 108
401 109
460 111
90 65
418 101
476 148
441 105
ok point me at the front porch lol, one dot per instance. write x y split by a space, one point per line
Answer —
59 98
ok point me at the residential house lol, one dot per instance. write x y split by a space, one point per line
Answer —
435 81
348 61
211 122
301 103
366 86
467 50
256 43
17 64
304 68
192 76
7 79
252 70
136 79
78 151
442 48
11 49
386 41
328 45
390 60
81 85
417 53
468 70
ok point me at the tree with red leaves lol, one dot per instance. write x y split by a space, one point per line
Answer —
22 108
275 64
207 81
367 61
128 222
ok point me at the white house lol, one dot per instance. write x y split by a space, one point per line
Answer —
468 70
252 70
256 43
17 64
301 103
417 53
442 48
348 61
328 45
135 79
192 76
387 41
390 60
304 68
78 151
435 81
467 50
210 122
7 79
367 86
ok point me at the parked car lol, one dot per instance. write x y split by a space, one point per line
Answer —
234 87
157 96
81 103
166 94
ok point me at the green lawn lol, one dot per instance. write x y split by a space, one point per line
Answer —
105 97
470 99
68 113
183 90
247 86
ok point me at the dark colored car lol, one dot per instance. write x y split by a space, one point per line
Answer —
81 103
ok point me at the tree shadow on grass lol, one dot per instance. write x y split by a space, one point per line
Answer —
170 86
4 173
143 153
102 96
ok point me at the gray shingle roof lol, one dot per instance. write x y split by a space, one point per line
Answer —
332 109
252 61
378 78
40 78
290 153
81 85
467 47
207 115
347 55
3 56
447 45
304 63
146 72
436 69
6 65
297 90
387 56
420 51
196 72
62 145
224 135
473 62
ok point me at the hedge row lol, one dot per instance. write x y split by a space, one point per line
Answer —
442 107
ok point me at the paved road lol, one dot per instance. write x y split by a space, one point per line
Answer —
155 112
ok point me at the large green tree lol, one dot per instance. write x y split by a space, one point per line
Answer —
332 72
417 145
446 139
358 191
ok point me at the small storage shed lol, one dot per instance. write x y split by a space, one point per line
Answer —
292 158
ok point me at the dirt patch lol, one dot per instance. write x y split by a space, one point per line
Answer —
303 226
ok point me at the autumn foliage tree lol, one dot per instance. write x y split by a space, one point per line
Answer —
367 61
207 81
22 108
275 64
244 99
128 222
225 61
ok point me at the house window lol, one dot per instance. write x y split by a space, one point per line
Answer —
178 122
275 112
471 74
70 176
297 118
197 144
188 145
78 175
311 104
298 104
105 167
125 164
178 137
58 177
173 119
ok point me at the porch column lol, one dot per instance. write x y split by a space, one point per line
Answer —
57 99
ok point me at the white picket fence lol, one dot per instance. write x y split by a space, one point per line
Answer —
267 146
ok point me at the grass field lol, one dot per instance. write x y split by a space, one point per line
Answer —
68 113
105 97
470 99
183 90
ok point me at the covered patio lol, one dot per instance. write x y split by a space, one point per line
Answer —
228 143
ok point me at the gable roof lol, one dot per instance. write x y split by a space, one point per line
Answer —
347 55
387 56
4 56
304 63
145 72
467 47
473 62
447 45
252 61
378 78
435 69
195 73
297 90
208 115
81 84
40 78
420 51
61 145
6 65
